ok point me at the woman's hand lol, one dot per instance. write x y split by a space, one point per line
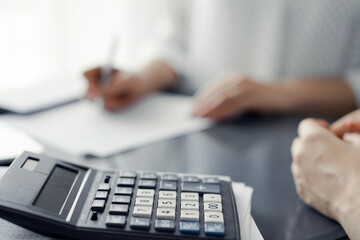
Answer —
236 94
350 123
124 89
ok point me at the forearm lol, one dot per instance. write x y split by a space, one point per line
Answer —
159 75
327 97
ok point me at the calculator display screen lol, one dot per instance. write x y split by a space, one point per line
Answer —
56 189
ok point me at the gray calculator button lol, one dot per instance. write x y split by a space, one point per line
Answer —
200 187
170 177
211 180
115 221
147 184
101 195
126 182
104 187
145 193
123 191
140 223
148 175
98 205
121 199
128 174
217 217
165 225
119 209
168 185
193 179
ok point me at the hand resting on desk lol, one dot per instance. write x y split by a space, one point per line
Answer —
237 93
326 169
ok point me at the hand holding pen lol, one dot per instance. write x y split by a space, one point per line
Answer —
121 91
124 89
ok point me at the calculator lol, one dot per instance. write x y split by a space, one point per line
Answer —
61 199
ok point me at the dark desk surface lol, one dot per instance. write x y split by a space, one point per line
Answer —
255 151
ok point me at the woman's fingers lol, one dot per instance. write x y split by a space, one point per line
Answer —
353 138
93 77
348 123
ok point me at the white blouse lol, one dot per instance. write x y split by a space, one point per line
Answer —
270 40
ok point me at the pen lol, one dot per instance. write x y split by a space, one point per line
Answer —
106 70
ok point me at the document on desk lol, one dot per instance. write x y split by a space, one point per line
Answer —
42 96
13 142
84 127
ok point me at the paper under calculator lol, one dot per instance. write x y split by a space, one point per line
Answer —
61 199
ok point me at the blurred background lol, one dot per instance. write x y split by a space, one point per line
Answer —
45 40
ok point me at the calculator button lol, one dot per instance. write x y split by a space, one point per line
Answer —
167 203
115 221
168 185
165 213
107 179
98 205
123 191
126 182
167 194
212 198
189 227
216 217
200 187
140 223
212 207
211 180
215 229
104 187
170 177
119 209
187 196
165 225
142 211
193 179
145 202
189 215
101 195
148 175
189 205
145 193
147 183
94 216
128 174
121 199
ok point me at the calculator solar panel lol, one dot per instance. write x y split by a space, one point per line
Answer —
60 199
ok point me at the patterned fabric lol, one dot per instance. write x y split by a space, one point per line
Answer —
270 40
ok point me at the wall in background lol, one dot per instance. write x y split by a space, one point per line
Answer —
42 40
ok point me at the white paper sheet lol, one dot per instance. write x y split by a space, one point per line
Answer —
42 95
3 171
243 195
13 142
84 128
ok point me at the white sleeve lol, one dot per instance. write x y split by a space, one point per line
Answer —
169 41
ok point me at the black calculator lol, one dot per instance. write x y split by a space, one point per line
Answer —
61 199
